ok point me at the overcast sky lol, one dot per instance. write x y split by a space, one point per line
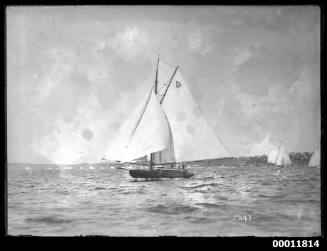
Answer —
75 73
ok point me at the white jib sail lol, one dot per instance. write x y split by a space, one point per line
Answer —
192 137
315 159
151 133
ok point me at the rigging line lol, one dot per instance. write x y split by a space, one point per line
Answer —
226 148
138 122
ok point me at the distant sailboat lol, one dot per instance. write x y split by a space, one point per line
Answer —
315 158
279 157
272 156
283 158
170 130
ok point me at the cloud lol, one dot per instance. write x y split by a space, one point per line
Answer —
241 56
84 143
130 42
198 41
262 148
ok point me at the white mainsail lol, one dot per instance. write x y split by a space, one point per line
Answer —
191 137
315 158
151 133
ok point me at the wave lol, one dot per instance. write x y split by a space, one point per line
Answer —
147 180
204 204
297 201
99 188
201 185
200 220
203 190
207 177
132 192
49 220
210 205
172 209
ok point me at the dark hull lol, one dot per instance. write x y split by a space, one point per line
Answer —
159 173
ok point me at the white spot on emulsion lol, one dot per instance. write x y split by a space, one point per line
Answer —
130 42
181 116
197 112
190 129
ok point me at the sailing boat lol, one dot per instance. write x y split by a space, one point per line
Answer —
272 156
279 157
315 158
170 130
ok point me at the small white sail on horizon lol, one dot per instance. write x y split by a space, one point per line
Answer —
272 156
315 158
279 156
283 158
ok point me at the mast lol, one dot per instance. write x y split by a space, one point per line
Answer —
155 91
163 96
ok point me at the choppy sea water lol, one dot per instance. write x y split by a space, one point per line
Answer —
216 201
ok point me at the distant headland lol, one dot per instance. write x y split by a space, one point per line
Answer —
298 158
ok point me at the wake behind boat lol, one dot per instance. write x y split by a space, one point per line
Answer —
169 130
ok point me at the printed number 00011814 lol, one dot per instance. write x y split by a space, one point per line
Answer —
297 243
